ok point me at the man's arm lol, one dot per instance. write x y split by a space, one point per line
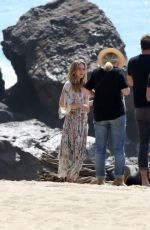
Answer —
124 87
148 94
148 90
130 80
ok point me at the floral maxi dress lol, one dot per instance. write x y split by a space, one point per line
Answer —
74 135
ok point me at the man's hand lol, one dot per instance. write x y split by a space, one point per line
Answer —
86 108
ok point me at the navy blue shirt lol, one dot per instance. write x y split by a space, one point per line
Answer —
139 69
108 100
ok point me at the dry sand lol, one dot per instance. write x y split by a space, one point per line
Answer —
63 206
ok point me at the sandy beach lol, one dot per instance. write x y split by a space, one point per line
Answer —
60 206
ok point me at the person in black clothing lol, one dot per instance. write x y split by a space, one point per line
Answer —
109 84
138 71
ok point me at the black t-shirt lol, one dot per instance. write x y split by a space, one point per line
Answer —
139 69
108 100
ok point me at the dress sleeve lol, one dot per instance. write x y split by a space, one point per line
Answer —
68 100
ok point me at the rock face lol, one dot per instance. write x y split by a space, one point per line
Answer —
30 148
42 45
45 41
2 86
23 145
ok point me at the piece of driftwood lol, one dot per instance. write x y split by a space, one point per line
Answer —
87 173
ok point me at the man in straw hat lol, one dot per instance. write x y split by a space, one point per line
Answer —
109 84
138 72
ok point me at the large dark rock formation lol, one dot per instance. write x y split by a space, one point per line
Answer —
2 86
28 149
44 42
41 46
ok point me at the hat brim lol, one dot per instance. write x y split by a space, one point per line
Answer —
108 54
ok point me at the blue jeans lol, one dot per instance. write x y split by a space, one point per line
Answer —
115 129
143 122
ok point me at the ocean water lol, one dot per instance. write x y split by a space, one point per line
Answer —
130 17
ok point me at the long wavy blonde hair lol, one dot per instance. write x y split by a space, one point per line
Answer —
75 82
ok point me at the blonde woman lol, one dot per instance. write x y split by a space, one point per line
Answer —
74 105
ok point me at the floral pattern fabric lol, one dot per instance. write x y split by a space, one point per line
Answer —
74 135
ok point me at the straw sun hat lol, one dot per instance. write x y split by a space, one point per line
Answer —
111 54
